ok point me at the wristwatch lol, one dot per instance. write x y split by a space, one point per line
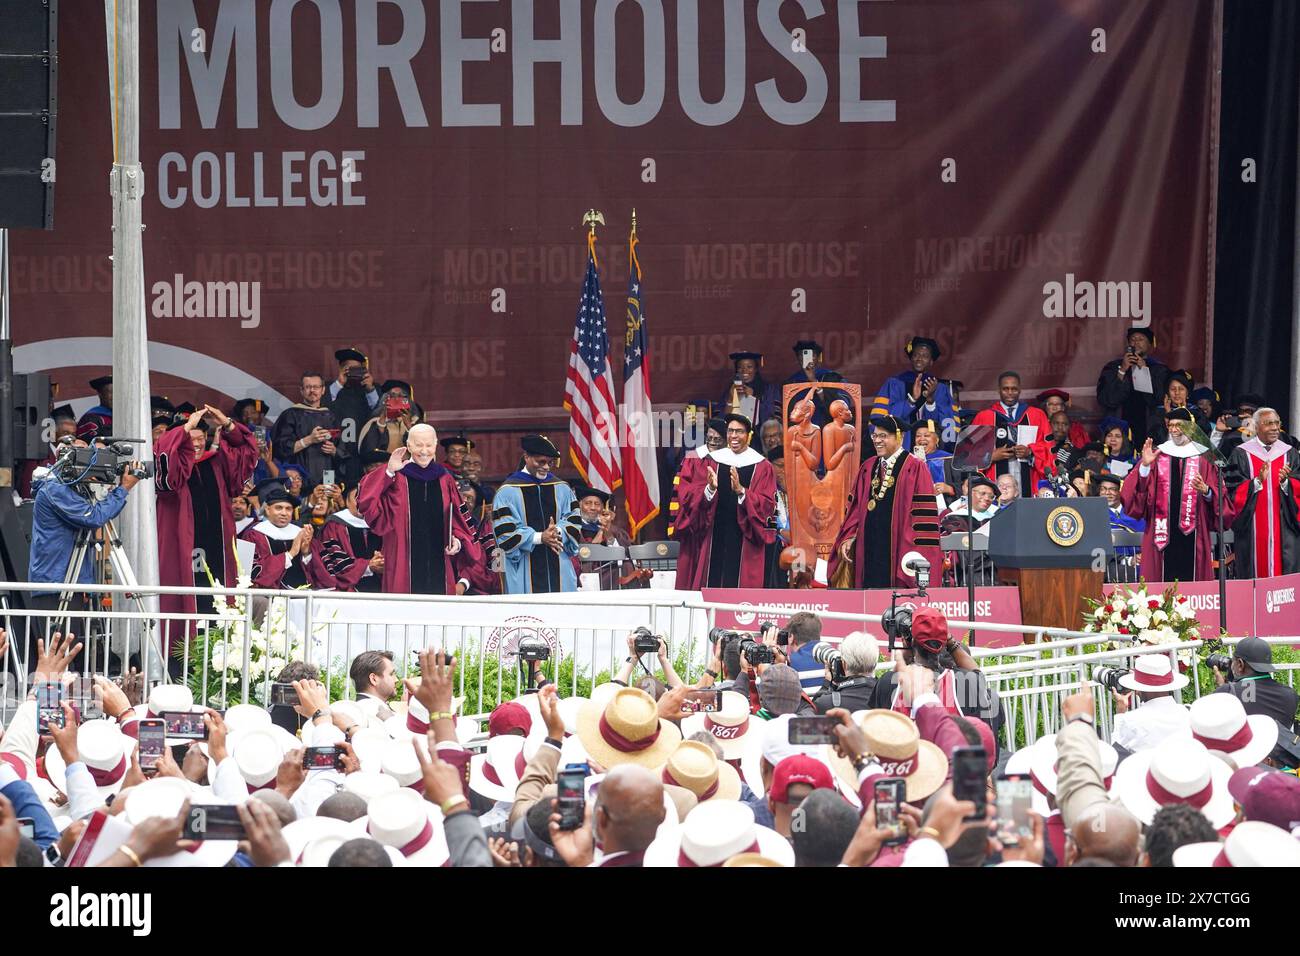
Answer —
1086 718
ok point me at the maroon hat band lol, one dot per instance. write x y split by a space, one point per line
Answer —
713 788
621 743
415 725
1238 740
490 772
1222 860
726 731
900 768
420 842
684 860
1153 680
105 778
1165 797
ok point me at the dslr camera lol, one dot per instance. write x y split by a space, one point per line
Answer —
534 649
1220 662
645 642
830 658
1108 677
756 653
897 624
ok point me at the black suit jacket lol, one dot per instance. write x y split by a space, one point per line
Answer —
1265 696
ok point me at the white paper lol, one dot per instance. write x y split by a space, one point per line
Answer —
939 499
819 572
1142 379
589 581
1120 468
1026 434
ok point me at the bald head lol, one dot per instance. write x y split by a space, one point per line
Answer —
1106 832
629 808
422 443
279 803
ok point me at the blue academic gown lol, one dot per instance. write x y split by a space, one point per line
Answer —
522 506
1122 522
895 399
935 461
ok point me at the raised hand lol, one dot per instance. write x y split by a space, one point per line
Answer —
399 459
736 487
1149 453
713 479
53 661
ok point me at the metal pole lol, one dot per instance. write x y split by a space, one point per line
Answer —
6 371
1295 286
130 334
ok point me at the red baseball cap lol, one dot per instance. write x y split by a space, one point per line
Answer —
509 716
929 629
1267 795
799 768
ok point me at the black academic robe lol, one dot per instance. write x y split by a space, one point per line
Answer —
1265 521
296 422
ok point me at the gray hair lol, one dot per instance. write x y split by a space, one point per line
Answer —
860 652
1260 412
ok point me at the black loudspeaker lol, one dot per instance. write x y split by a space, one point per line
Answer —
31 416
28 112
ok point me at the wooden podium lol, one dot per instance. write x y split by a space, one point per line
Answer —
1055 551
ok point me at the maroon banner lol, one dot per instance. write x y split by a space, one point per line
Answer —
1204 598
1019 181
776 606
1277 612
995 605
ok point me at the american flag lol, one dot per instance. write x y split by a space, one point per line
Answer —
589 391
640 464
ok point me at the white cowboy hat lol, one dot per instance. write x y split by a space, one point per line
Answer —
770 741
305 830
368 784
399 761
105 751
1152 673
1251 843
694 766
496 772
732 727
1042 767
713 833
410 824
896 745
368 745
1178 770
1220 722
257 754
163 797
627 729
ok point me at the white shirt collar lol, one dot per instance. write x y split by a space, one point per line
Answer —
287 533
347 517
725 456
1190 450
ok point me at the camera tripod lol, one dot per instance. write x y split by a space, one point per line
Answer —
114 558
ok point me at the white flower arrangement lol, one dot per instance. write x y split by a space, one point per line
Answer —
1150 619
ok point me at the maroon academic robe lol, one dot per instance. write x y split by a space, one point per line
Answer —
174 460
696 512
345 569
686 473
383 502
482 579
270 545
915 521
1148 498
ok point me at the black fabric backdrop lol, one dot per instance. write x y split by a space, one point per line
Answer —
1255 237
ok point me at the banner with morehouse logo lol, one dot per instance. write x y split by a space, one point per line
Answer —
1277 613
1020 181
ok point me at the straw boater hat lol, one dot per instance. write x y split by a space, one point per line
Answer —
571 750
732 727
1220 722
246 717
1177 770
410 824
1251 843
713 833
163 797
350 711
166 698
416 721
105 751
1152 673
368 745
694 766
496 772
750 859
400 762
627 730
897 746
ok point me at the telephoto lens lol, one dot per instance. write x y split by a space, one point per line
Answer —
1108 677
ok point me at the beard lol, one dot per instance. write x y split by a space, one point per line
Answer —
1179 438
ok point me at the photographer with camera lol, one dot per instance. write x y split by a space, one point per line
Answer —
67 504
849 673
1248 676
724 662
1153 681
1133 386
639 643
923 634
805 634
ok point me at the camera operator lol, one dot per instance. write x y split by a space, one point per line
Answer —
850 674
1251 681
1153 680
636 656
724 663
924 636
805 630
58 514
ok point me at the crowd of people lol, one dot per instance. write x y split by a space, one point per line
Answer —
352 489
763 761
